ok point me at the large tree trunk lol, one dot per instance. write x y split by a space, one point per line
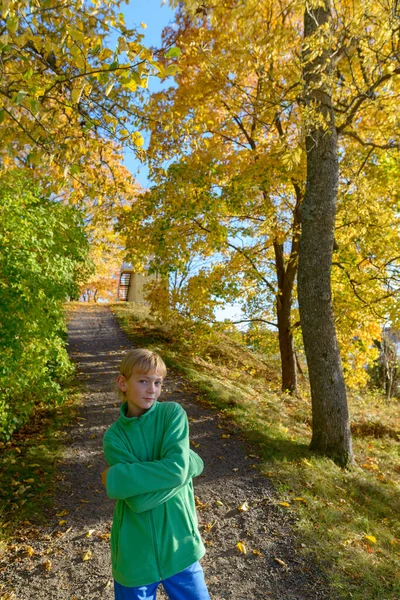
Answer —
330 418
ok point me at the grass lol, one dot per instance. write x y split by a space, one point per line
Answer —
28 469
348 519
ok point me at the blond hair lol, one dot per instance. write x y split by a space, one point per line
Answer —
141 360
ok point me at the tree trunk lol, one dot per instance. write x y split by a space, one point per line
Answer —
286 277
330 418
286 346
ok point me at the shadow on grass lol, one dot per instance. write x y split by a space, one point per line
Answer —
28 466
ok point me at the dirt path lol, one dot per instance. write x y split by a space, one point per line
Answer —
229 480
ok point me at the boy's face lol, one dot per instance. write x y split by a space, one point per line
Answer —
141 391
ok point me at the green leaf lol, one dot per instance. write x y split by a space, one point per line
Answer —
173 52
12 23
77 35
19 97
76 95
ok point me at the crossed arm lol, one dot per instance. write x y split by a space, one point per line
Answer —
145 485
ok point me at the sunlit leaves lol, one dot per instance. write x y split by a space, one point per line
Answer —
241 547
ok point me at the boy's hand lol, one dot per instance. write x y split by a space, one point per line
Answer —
104 477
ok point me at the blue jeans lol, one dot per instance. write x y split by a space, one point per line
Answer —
186 585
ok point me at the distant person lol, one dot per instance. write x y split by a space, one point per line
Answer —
154 536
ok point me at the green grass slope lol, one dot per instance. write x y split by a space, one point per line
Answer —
349 520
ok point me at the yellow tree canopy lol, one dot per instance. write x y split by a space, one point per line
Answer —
233 128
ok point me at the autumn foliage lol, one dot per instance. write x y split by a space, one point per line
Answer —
43 258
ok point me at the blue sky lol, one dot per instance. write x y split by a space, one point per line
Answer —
156 16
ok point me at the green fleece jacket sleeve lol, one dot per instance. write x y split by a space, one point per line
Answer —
143 502
125 479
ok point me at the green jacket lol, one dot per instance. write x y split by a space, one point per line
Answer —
155 532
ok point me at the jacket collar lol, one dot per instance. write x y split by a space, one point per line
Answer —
128 420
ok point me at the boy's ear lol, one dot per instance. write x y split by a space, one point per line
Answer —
121 382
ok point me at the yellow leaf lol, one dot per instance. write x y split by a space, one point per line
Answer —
143 25
90 532
219 503
280 562
47 565
243 507
31 480
257 552
137 139
86 555
109 88
285 504
29 551
62 513
105 53
62 522
370 538
241 547
299 500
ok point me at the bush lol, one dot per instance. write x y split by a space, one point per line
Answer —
43 257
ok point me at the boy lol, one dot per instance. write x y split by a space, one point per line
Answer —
154 536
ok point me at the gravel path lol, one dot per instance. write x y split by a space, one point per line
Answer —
272 568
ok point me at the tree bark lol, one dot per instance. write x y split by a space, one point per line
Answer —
284 301
286 346
330 418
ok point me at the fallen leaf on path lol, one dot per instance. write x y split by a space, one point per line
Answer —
28 550
285 504
199 503
62 513
219 503
105 536
236 469
62 522
241 547
300 500
86 555
226 435
90 532
243 507
280 562
257 553
47 565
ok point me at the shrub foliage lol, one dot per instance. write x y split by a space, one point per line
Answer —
43 257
